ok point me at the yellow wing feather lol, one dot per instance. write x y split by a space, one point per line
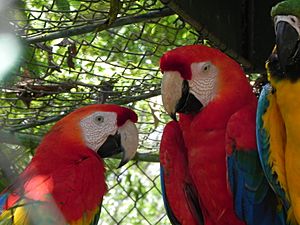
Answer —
41 214
32 213
274 123
287 94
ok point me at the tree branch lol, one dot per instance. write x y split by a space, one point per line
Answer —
102 25
38 123
58 117
31 141
137 98
141 157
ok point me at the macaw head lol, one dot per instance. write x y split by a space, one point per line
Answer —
105 129
194 76
286 16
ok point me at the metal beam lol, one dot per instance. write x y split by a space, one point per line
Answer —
240 28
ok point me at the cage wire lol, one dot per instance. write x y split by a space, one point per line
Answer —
76 53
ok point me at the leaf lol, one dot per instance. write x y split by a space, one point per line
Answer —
63 5
75 4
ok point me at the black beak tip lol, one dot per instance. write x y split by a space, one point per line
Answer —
122 163
124 159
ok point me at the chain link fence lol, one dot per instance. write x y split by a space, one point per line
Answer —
74 53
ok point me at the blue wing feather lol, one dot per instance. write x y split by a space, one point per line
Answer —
3 198
254 200
263 144
169 211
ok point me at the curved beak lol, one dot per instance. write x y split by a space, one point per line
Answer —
288 44
129 141
171 86
125 141
176 96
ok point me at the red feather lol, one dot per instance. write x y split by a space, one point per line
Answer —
177 181
64 171
204 133
75 183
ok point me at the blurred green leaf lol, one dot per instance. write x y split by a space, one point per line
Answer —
63 5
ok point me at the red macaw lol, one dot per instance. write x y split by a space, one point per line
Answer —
217 111
65 181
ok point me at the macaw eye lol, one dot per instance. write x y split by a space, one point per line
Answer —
99 119
206 67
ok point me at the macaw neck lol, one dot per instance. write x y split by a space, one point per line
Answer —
62 149
217 113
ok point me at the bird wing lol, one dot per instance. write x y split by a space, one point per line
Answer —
254 200
268 112
179 195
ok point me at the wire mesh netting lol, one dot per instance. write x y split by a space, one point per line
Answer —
75 53
64 54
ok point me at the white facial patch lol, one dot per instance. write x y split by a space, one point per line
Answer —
292 20
204 81
97 127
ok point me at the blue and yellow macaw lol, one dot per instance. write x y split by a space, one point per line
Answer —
278 115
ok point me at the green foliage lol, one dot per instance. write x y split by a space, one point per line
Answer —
138 187
63 5
117 65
